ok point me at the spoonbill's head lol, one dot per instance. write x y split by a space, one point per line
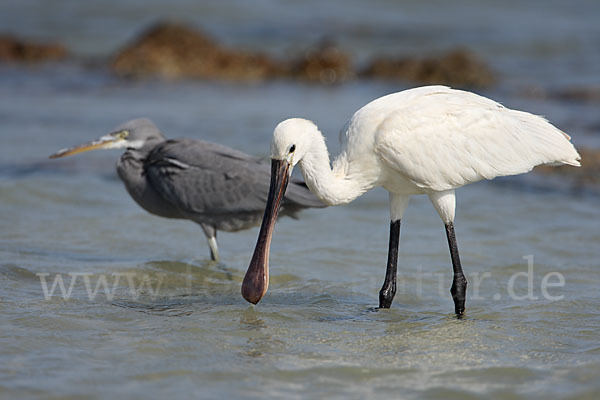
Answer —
133 134
292 139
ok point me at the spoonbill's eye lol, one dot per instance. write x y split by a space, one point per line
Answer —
292 148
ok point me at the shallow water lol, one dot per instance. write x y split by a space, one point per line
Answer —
184 330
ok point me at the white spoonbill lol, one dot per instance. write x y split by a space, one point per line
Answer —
428 140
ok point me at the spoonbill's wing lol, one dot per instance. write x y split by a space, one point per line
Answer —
448 139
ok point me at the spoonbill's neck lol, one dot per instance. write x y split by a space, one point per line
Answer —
333 187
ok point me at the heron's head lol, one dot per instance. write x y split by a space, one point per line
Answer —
292 140
133 134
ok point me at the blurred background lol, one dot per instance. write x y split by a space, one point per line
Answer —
228 72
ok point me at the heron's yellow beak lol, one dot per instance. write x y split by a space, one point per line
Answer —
256 281
110 141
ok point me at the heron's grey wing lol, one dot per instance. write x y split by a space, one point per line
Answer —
200 177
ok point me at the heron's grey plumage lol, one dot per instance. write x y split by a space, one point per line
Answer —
220 188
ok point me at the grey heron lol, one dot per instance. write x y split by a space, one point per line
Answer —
219 188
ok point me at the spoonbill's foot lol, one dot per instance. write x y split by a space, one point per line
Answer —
459 294
386 295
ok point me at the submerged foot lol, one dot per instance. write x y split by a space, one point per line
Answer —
386 296
459 295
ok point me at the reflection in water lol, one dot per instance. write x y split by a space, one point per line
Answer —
250 320
258 342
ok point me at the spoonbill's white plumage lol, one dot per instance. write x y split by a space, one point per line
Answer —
428 140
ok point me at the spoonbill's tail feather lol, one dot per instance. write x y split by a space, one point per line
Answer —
553 145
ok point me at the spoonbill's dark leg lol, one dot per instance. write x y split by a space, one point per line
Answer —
388 290
459 282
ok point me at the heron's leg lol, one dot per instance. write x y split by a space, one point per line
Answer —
398 204
444 202
388 290
211 237
459 282
214 250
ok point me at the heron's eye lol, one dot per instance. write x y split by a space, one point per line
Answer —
123 134
292 148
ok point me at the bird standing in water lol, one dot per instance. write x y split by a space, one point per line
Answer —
429 140
213 185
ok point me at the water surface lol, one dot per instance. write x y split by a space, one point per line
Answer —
184 331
